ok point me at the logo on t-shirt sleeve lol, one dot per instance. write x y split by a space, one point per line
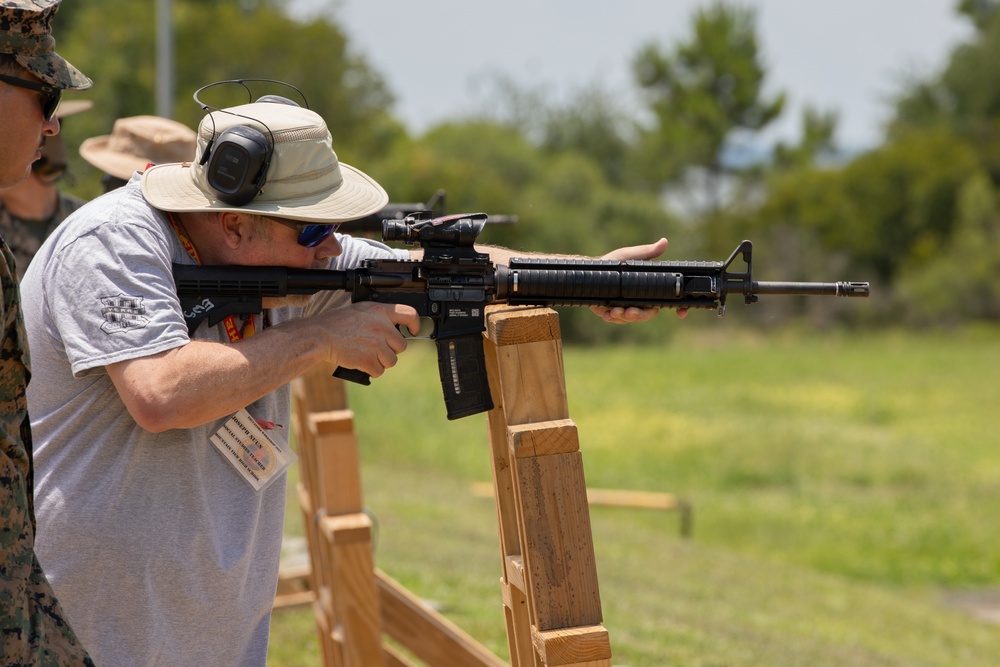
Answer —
122 313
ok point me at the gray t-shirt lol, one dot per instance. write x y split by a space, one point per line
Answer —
161 553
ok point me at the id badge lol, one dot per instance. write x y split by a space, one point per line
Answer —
251 451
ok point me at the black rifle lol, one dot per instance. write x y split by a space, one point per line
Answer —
453 283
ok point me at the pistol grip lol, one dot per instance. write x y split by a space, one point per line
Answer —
462 366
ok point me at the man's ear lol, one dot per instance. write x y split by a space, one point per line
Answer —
235 228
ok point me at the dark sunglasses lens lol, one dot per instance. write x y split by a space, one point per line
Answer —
312 235
50 101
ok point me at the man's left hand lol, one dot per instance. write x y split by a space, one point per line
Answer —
619 315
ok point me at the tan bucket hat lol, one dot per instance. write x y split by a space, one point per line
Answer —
136 141
305 180
26 32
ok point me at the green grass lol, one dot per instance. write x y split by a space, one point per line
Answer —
841 485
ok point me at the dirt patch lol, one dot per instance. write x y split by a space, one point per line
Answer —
984 605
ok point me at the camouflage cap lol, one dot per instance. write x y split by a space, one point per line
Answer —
26 32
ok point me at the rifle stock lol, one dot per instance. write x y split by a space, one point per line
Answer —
453 283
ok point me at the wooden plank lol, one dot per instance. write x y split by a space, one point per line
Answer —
393 658
294 587
527 378
638 499
318 574
502 471
305 445
324 391
512 629
355 597
652 500
532 384
579 646
338 486
329 648
515 571
516 325
324 605
522 652
331 421
557 542
426 633
543 438
347 528
293 600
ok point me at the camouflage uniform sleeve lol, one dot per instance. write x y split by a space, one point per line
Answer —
33 629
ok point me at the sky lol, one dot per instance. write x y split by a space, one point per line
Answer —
843 55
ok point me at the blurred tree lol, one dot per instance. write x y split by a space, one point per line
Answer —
224 40
590 120
980 12
703 94
817 141
563 200
916 215
481 166
591 123
965 95
960 281
957 281
887 208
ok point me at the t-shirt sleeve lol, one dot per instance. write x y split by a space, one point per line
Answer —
358 249
111 296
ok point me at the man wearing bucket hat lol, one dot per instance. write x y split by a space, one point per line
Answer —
159 546
33 627
32 209
135 142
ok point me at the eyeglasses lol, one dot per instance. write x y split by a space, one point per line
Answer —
50 95
310 236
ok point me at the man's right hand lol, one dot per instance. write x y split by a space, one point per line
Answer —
367 337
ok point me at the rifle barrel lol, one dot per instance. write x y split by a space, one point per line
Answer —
841 288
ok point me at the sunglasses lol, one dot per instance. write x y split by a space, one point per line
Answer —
310 236
50 95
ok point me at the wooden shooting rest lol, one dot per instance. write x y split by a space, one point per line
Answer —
551 601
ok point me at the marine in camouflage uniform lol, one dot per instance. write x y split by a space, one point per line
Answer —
33 629
40 204
25 237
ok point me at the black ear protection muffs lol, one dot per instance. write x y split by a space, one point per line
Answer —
237 165
237 160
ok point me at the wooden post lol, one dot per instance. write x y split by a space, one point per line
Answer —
355 604
337 529
551 599
552 606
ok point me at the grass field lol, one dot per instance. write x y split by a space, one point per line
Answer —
842 485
